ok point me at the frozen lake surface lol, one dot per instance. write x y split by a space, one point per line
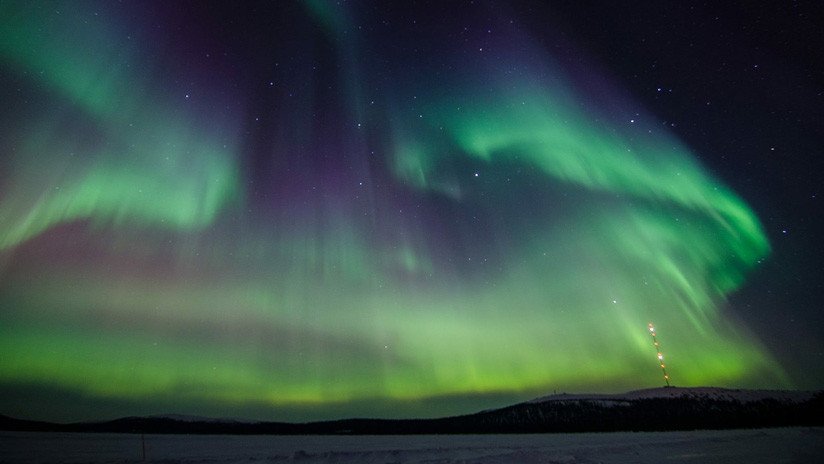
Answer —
789 445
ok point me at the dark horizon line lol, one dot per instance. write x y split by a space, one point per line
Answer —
693 408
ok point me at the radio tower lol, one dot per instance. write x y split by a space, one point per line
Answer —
660 355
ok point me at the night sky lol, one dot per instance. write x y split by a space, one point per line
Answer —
316 209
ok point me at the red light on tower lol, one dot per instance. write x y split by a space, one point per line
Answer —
658 351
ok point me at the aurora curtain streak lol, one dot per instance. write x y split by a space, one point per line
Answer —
338 223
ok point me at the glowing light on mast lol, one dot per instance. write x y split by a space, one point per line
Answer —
660 355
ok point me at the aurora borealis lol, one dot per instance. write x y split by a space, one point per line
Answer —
313 210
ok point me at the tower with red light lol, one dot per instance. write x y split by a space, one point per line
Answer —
660 355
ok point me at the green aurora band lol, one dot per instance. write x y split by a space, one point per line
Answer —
536 239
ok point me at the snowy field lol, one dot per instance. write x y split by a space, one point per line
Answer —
791 445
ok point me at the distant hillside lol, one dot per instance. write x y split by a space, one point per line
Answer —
660 409
10 423
642 410
708 393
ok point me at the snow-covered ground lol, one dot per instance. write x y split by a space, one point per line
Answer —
790 445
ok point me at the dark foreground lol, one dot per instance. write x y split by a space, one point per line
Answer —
787 445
